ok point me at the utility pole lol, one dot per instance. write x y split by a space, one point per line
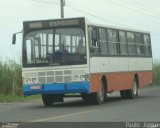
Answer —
62 4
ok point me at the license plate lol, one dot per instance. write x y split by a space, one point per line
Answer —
35 87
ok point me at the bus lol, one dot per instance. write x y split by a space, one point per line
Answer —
75 56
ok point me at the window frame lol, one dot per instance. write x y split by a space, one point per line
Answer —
133 43
125 43
150 49
139 44
104 41
95 50
118 43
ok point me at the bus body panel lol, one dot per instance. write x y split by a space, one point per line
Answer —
120 81
56 80
57 88
120 72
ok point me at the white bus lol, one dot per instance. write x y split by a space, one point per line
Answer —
72 55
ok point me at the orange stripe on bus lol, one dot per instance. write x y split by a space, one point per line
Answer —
120 81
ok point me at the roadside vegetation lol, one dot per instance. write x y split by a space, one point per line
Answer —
10 78
156 74
11 98
11 81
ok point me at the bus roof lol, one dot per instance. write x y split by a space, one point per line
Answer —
95 24
53 19
117 27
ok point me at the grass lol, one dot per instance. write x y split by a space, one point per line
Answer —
11 98
156 74
11 83
10 78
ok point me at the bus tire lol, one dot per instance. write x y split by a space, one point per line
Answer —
133 93
85 97
124 94
99 97
47 99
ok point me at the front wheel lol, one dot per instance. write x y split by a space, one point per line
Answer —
48 99
85 97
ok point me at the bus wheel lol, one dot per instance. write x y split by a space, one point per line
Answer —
133 93
85 97
47 99
124 94
99 96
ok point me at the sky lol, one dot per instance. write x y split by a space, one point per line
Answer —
139 14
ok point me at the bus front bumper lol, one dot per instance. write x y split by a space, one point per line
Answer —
56 88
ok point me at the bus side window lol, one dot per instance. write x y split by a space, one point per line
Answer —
93 40
112 42
147 45
103 41
140 44
123 43
131 44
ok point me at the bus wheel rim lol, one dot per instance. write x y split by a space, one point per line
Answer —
134 88
101 93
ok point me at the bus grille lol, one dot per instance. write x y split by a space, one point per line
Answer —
54 77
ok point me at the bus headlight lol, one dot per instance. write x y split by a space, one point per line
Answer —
76 78
31 80
28 80
82 77
34 80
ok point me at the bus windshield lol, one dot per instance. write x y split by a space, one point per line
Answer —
54 47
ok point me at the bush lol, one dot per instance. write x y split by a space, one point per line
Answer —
10 78
156 74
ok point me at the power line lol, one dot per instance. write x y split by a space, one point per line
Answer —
134 9
139 11
153 36
143 7
142 4
83 11
97 17
45 2
62 4
77 10
142 24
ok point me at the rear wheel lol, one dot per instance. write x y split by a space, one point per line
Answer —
131 93
124 94
48 99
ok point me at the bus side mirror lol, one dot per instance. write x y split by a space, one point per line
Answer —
94 34
14 39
